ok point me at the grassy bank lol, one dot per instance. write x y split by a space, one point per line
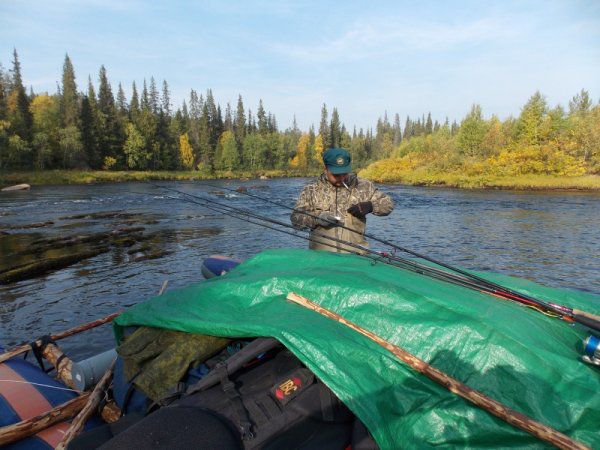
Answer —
420 177
416 177
48 177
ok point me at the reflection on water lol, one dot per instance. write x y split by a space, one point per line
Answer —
551 238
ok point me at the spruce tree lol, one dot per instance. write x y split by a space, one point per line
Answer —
166 99
121 103
335 132
134 104
324 128
19 115
90 128
228 124
195 111
110 137
429 125
239 126
4 88
153 97
69 101
263 126
408 128
144 101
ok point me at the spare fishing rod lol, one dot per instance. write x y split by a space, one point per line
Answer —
570 314
388 259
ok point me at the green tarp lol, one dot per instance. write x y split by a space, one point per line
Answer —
513 354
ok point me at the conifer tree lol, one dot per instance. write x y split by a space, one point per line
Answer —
324 128
90 128
144 101
263 126
239 126
153 97
335 132
429 125
165 103
134 104
228 124
408 128
4 89
69 101
18 111
121 103
110 138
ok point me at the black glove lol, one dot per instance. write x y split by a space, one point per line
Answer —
327 219
361 209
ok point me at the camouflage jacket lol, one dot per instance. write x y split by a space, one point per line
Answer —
321 196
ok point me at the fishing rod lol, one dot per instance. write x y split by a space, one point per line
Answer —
359 249
394 260
571 314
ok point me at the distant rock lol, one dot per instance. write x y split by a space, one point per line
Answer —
264 177
17 187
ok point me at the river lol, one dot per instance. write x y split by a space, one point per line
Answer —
549 237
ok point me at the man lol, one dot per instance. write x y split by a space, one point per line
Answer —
338 197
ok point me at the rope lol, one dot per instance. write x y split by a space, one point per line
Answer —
43 385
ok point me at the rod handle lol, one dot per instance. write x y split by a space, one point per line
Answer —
587 319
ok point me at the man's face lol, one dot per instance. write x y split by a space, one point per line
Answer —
337 180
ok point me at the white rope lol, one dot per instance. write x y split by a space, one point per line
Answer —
43 385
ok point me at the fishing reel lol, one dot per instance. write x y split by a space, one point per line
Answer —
591 350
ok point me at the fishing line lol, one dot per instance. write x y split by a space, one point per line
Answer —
43 385
470 281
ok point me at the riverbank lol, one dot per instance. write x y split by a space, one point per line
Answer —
58 177
414 178
463 181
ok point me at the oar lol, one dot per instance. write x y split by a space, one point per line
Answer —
55 337
479 399
29 427
88 409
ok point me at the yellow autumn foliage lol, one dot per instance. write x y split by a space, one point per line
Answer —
185 151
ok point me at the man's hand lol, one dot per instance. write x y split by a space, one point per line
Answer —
361 209
327 219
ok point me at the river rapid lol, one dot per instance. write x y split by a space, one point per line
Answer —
550 237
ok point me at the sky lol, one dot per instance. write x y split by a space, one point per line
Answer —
364 58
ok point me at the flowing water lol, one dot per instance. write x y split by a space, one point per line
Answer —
549 237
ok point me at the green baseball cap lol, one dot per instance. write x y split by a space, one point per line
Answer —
337 160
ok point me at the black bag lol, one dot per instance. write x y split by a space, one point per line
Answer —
272 402
278 404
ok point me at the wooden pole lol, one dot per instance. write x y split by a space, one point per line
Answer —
29 427
63 365
479 399
88 409
55 337
111 412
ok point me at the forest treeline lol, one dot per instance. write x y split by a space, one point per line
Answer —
96 129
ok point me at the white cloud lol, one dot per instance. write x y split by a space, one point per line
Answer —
385 37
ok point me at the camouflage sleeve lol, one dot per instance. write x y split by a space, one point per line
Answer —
304 203
382 203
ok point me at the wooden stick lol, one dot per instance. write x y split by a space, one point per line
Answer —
55 337
479 399
111 412
88 409
29 427
63 365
